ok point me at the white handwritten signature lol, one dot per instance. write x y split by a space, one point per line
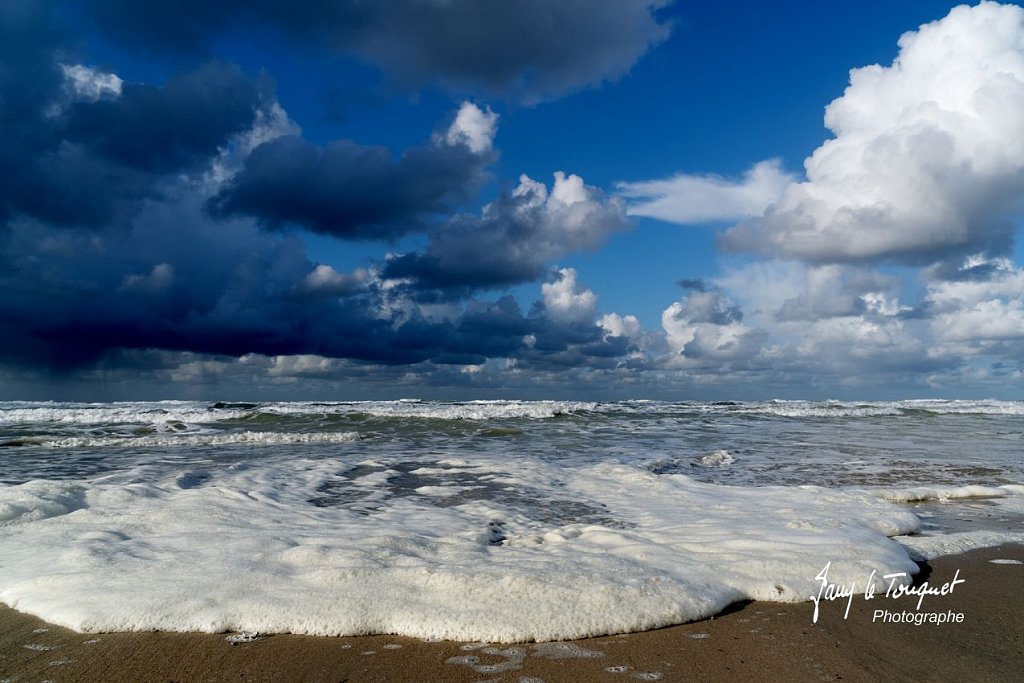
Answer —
829 591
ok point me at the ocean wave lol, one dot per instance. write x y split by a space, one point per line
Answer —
171 415
921 407
166 416
195 440
156 413
477 410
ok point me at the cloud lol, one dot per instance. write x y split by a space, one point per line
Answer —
835 291
693 284
515 237
303 365
707 326
175 280
354 191
981 312
530 49
843 329
991 320
566 301
615 325
325 280
87 148
165 128
927 162
473 127
158 280
689 199
110 256
87 83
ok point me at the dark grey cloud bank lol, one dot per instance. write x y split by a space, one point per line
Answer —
178 281
349 190
168 128
529 48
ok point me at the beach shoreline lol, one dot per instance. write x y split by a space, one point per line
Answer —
755 640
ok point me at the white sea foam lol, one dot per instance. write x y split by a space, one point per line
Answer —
133 413
247 552
160 413
475 410
171 414
930 547
1006 500
719 458
1012 492
198 440
876 408
437 410
35 500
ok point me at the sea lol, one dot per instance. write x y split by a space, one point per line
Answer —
483 521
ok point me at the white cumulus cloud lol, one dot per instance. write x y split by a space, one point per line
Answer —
615 325
927 161
567 301
708 326
978 311
473 127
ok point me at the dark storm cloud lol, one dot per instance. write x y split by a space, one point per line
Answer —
167 128
514 239
238 297
468 253
86 160
29 77
349 190
177 281
531 48
492 329
108 244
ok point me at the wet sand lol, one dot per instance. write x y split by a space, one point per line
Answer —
754 641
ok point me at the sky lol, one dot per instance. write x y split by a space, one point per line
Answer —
474 199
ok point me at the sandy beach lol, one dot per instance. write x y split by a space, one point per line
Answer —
753 641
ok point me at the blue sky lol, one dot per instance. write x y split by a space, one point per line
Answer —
324 199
